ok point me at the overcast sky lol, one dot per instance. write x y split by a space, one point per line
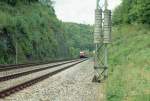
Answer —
79 11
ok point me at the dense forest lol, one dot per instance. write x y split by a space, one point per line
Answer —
129 70
30 29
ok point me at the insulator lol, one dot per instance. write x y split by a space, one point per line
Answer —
98 26
107 26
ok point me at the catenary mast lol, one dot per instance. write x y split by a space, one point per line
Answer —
102 37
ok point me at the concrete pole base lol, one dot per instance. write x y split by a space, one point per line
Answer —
96 79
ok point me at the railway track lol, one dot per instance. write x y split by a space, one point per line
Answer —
14 72
11 83
16 66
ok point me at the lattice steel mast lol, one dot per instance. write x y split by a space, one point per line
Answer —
102 36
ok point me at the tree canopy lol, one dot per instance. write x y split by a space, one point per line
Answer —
39 35
131 11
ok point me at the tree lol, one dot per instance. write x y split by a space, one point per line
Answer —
132 11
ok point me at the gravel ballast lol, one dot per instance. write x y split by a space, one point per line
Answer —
20 70
73 84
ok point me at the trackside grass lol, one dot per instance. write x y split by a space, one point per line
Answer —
129 72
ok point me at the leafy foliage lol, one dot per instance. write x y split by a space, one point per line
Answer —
129 54
79 37
14 2
37 31
131 11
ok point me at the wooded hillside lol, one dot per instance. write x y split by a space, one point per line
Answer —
39 35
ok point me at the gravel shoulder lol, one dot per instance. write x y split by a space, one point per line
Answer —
73 84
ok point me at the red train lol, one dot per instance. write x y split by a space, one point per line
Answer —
83 54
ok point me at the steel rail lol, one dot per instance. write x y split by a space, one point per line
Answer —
17 75
16 88
16 66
